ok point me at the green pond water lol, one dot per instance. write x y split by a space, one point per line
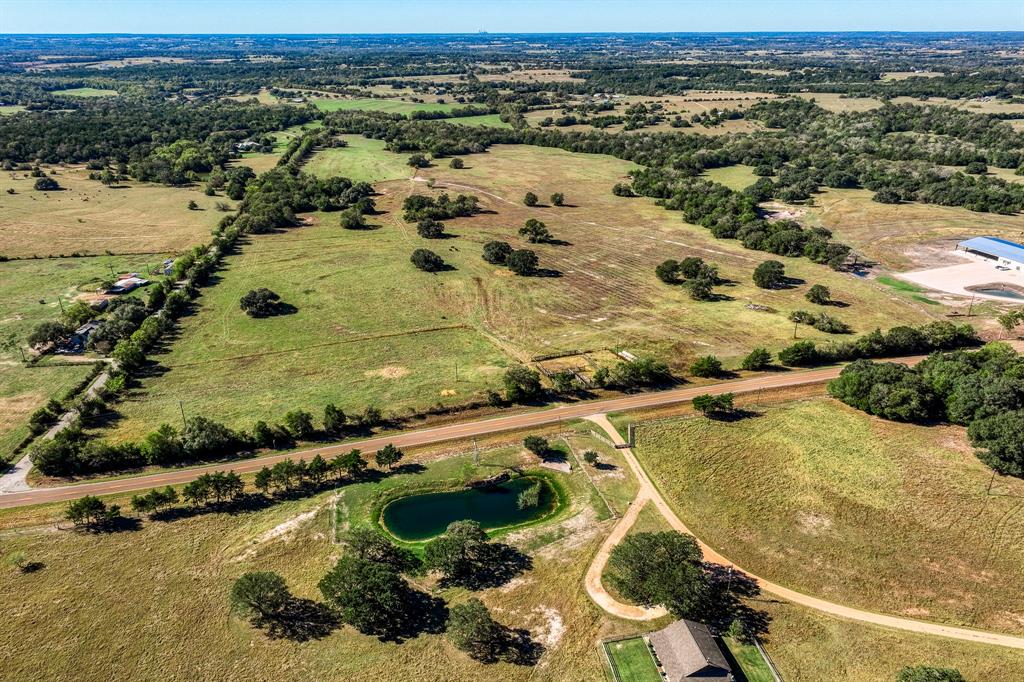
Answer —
420 517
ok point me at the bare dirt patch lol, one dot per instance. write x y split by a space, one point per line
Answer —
389 372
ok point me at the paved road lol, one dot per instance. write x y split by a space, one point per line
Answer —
426 436
648 492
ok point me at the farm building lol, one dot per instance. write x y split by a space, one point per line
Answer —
76 344
1000 251
686 650
126 284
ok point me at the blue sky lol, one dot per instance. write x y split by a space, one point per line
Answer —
459 16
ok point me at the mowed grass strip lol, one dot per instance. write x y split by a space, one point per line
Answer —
90 218
821 498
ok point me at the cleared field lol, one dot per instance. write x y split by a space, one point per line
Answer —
807 646
167 585
391 106
261 161
86 92
904 236
363 160
10 109
90 218
734 177
889 517
369 329
372 329
836 102
493 120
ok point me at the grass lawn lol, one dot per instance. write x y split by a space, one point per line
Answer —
86 92
166 586
633 661
89 218
391 106
10 109
363 160
821 498
750 660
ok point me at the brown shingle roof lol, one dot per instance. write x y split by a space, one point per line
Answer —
687 651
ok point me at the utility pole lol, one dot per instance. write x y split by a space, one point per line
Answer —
23 359
971 306
795 325
181 406
61 301
456 371
111 271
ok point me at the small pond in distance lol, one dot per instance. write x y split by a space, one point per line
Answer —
421 517
1002 293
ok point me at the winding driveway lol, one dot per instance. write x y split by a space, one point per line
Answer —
648 492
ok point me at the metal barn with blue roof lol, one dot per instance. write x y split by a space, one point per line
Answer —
1003 252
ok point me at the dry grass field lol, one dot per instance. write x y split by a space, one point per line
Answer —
88 217
124 606
903 236
821 498
362 160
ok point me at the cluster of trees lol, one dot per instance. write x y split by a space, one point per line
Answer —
698 277
130 131
902 340
368 589
523 262
427 260
272 199
418 207
628 375
661 569
261 302
823 322
983 390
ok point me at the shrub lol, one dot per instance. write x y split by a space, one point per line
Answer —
428 228
427 260
522 262
530 199
497 252
537 445
819 294
757 360
770 274
46 184
558 199
456 163
706 366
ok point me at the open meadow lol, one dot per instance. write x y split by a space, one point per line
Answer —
601 294
826 500
361 160
87 217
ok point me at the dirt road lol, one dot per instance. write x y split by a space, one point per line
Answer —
427 436
648 492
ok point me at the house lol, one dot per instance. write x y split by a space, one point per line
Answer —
126 284
76 344
686 650
1002 252
247 146
167 267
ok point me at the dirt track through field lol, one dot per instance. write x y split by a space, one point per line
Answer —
648 492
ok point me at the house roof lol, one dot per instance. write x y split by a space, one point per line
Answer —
994 246
686 649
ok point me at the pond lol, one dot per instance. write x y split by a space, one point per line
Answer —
420 517
1002 293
